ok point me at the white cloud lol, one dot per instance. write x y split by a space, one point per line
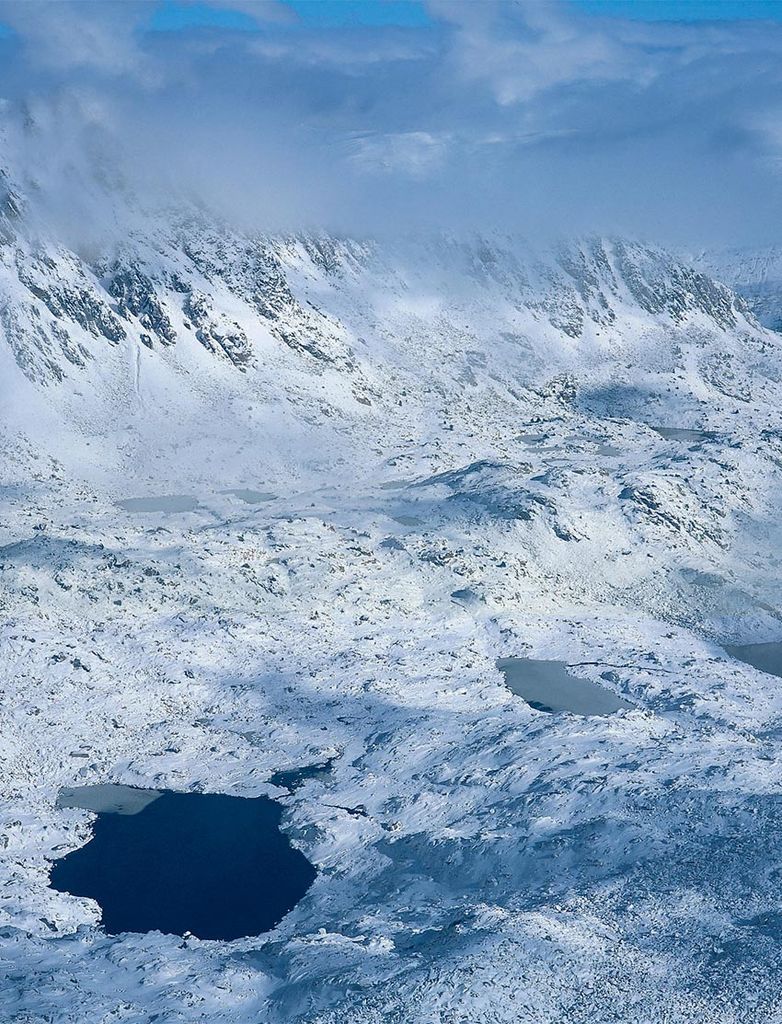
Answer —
62 36
497 112
520 50
417 154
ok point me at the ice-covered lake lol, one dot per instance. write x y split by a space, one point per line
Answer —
684 434
214 865
160 503
548 686
249 496
766 657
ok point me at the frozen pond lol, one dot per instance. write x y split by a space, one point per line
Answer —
766 657
107 798
214 865
249 496
548 686
395 485
684 434
467 597
408 521
162 503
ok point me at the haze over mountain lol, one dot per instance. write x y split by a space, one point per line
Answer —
544 118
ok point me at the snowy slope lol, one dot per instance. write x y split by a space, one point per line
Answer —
755 274
455 443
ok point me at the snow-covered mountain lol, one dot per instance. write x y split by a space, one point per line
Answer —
403 459
755 274
179 314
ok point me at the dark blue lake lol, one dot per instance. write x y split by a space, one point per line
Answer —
766 657
214 865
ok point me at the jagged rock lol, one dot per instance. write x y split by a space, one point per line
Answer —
136 297
217 334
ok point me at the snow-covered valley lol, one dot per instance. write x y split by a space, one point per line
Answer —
455 460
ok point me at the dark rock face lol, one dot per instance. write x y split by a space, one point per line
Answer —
10 211
81 307
136 297
226 339
562 310
60 282
190 276
754 274
31 344
257 275
38 345
661 285
74 352
268 290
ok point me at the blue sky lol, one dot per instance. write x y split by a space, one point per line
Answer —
684 10
320 13
648 116
414 13
170 15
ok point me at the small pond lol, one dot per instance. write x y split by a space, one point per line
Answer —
548 686
162 503
766 657
249 496
396 485
609 451
684 434
213 865
408 521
